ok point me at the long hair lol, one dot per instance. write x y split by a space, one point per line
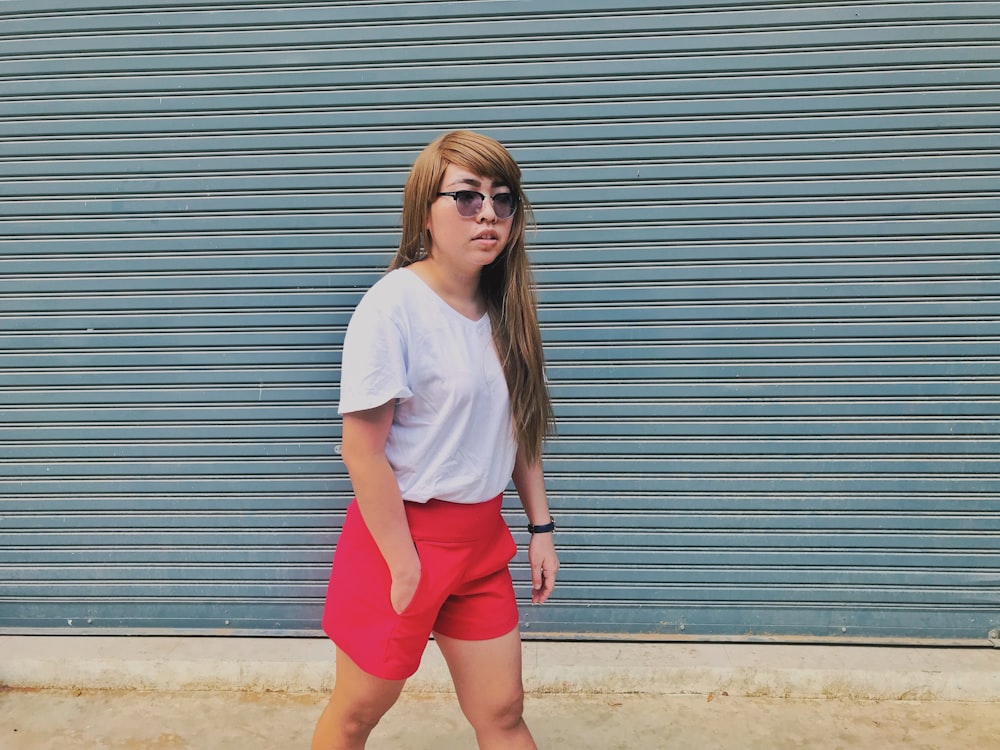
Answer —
507 284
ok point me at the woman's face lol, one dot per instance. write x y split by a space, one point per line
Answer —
467 242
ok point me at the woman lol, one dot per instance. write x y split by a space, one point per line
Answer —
444 400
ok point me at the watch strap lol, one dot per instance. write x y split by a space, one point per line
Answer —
543 528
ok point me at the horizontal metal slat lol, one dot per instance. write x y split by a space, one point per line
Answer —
318 557
613 315
552 159
135 524
679 15
316 70
316 99
616 205
544 188
739 119
673 33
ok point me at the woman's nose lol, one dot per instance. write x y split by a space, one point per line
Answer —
486 213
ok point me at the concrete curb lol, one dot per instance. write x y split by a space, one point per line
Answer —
306 665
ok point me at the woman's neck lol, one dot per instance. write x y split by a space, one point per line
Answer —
460 290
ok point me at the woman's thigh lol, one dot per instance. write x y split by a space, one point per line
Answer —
487 674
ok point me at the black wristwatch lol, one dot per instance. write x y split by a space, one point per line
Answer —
543 528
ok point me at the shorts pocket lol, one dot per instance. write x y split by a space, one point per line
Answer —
421 585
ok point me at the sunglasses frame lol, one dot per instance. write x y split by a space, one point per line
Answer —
454 194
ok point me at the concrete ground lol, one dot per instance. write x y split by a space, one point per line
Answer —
249 694
118 720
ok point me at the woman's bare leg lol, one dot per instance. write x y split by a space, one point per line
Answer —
358 702
487 676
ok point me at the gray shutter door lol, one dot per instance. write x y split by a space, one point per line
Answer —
768 267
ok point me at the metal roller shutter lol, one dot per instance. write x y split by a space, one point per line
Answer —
768 267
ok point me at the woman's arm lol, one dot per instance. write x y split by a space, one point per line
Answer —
377 491
530 484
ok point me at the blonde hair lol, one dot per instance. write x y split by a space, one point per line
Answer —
507 284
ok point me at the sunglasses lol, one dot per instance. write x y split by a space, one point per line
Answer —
469 203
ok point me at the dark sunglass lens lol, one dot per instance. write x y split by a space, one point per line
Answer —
469 202
503 205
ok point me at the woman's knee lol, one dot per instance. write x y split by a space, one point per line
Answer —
504 711
345 723
357 718
353 714
359 721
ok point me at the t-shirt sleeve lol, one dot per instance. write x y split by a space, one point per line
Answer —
374 362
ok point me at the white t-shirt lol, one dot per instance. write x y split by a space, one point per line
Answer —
451 436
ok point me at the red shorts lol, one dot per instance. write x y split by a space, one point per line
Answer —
465 588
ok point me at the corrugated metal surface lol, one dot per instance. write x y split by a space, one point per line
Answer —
770 282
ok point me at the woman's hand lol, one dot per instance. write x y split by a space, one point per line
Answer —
404 588
544 564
